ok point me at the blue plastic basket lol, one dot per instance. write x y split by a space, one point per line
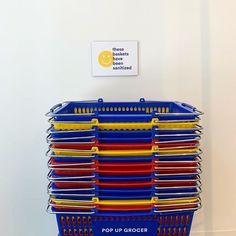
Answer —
142 111
119 224
118 136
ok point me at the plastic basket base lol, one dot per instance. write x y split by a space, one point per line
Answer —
165 224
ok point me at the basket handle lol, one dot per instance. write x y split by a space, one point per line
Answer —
197 134
53 109
50 178
178 141
197 160
198 166
50 165
192 108
199 191
198 185
178 180
92 122
197 128
50 139
50 190
49 154
50 211
185 201
179 210
156 148
178 154
72 194
50 131
198 171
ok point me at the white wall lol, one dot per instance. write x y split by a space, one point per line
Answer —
187 53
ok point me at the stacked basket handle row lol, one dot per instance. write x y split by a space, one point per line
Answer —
124 167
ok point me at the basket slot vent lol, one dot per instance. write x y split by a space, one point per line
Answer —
187 219
127 109
161 221
62 220
163 232
76 232
166 220
176 220
89 220
78 220
73 220
68 223
69 232
84 220
180 231
185 231
174 232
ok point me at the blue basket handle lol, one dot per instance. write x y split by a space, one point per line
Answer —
51 211
86 195
53 109
50 140
156 135
180 140
198 160
199 191
50 130
178 180
192 108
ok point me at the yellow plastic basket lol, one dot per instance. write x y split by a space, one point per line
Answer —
97 201
146 152
122 126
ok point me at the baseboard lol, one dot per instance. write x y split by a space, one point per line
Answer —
216 233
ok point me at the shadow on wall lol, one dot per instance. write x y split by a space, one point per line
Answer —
206 220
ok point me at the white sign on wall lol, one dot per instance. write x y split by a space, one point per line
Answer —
114 58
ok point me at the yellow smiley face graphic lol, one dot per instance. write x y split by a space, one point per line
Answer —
105 58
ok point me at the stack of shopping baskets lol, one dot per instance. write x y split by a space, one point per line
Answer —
120 168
